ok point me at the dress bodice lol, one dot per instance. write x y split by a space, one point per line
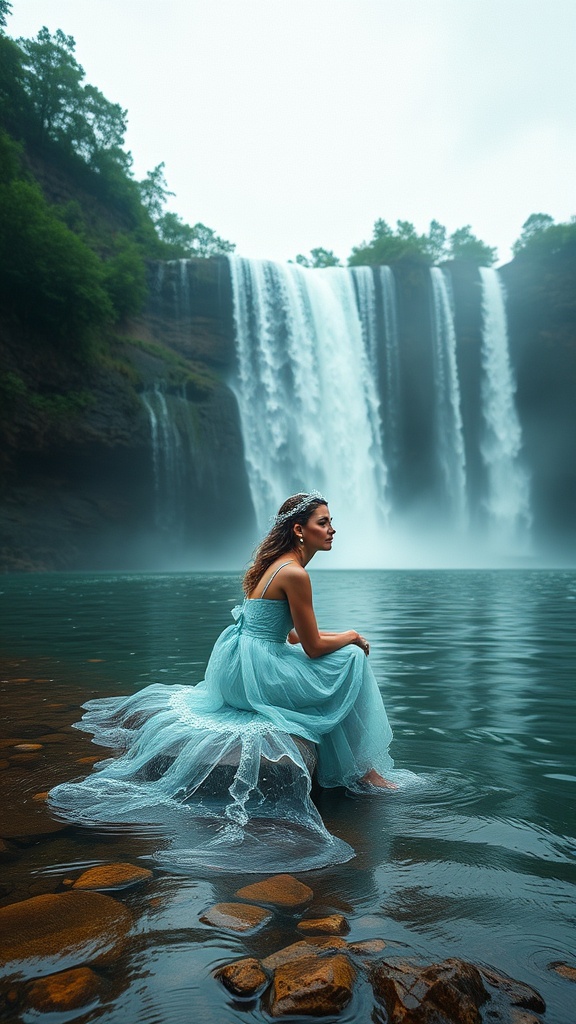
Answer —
265 619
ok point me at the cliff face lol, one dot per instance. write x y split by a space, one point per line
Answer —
80 480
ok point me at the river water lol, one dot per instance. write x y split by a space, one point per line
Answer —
478 861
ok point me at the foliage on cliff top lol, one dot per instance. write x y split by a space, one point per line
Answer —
403 242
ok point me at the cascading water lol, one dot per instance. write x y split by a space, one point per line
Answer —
391 388
306 392
171 434
507 498
450 433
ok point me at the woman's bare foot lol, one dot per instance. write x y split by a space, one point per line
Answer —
374 779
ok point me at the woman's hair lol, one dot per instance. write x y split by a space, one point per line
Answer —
280 539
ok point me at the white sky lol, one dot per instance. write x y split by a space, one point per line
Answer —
287 124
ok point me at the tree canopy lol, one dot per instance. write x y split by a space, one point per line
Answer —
541 236
403 242
318 257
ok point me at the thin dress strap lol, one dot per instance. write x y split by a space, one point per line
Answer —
273 575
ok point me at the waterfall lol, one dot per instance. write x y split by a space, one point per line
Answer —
172 441
450 433
306 390
507 498
391 389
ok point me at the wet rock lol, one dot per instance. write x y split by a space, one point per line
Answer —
237 917
28 822
444 993
518 1016
367 947
563 969
279 890
63 930
243 977
26 748
65 991
516 992
299 950
93 759
41 797
112 876
326 941
333 924
312 986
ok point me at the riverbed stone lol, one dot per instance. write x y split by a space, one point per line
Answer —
237 917
299 950
563 969
63 929
444 993
312 986
278 890
112 876
64 991
243 977
26 748
517 992
332 924
367 947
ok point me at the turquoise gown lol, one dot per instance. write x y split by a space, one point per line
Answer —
225 767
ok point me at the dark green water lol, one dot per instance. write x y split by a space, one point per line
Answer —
477 669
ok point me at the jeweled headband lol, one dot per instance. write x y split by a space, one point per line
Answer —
302 505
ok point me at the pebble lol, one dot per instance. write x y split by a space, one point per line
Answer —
278 890
237 917
112 876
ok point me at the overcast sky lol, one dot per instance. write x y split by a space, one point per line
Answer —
288 124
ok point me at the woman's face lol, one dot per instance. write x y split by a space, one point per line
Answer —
318 531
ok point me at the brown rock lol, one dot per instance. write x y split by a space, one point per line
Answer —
367 947
565 970
112 876
333 924
517 993
243 977
26 748
440 994
65 928
326 941
93 759
65 991
296 950
237 917
312 986
279 890
40 797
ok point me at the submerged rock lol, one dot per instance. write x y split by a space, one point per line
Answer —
279 890
243 977
65 991
62 929
112 876
563 969
517 992
312 986
333 924
367 947
237 917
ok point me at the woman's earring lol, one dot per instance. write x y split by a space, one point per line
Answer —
301 539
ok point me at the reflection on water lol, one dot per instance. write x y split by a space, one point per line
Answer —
476 860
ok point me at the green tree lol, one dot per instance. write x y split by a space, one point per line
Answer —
465 246
318 258
388 245
125 278
536 233
154 191
5 11
207 243
52 80
49 277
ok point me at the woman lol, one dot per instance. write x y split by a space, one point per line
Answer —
235 754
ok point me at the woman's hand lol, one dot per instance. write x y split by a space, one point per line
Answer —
363 644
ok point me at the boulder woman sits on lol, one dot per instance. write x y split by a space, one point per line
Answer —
225 766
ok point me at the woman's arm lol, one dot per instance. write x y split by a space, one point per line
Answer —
299 593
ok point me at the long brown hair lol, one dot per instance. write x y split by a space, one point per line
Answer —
280 539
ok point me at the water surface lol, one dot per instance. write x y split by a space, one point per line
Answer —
477 861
